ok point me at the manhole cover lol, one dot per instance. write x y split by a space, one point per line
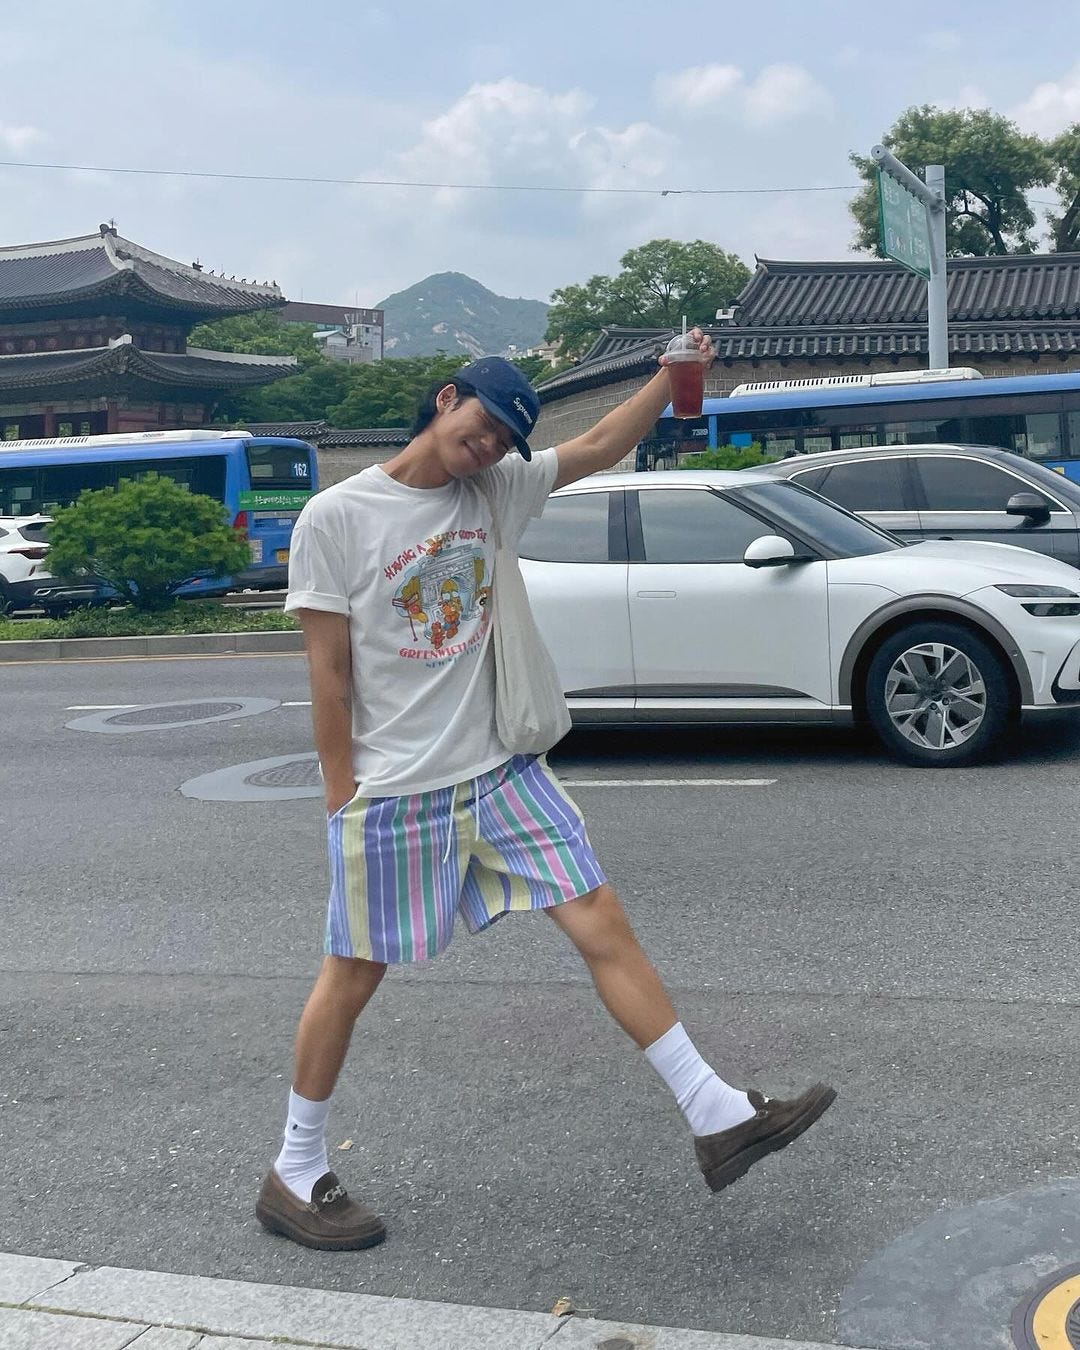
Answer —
283 778
1050 1319
296 773
170 716
176 712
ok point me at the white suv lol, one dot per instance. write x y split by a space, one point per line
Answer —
25 581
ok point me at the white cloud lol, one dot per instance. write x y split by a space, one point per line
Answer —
779 93
17 140
782 93
1051 106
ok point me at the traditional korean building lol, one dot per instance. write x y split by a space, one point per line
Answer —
93 338
1008 315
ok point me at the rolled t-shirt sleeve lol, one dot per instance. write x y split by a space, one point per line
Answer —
317 571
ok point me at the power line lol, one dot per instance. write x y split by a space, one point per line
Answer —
402 183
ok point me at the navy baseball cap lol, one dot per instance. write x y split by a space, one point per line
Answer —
506 394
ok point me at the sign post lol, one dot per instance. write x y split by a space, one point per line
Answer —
913 233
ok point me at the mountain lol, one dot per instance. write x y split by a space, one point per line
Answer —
453 313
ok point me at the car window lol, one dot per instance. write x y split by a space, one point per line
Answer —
684 525
865 485
951 483
573 529
810 478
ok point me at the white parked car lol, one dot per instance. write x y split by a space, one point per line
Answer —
25 580
701 596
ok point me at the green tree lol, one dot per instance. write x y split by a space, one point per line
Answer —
658 283
305 397
261 334
727 457
1065 158
989 167
145 539
387 393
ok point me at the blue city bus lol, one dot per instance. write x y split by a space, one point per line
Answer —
1037 416
262 481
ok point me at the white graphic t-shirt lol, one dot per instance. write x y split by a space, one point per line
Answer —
411 567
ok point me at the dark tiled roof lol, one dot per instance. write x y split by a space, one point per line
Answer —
126 367
52 276
365 436
1017 286
1021 304
301 431
324 435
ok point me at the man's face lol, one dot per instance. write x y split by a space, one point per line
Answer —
470 438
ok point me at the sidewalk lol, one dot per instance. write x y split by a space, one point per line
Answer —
61 1305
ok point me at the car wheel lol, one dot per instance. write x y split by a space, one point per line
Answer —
937 694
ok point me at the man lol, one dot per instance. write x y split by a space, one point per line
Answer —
430 817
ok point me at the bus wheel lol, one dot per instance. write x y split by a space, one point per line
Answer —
938 695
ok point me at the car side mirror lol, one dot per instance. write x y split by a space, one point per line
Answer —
1028 504
769 551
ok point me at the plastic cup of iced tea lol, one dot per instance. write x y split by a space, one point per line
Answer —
686 376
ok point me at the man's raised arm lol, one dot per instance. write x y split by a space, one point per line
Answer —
616 434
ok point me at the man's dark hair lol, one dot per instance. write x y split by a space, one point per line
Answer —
425 413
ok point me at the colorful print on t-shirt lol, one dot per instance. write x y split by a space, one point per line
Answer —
442 595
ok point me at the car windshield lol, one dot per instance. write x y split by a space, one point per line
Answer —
816 520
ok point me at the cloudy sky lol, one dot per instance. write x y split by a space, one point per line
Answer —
566 94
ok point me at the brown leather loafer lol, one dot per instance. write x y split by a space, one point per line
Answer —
725 1156
331 1221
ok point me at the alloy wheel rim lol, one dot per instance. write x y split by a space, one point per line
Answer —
935 696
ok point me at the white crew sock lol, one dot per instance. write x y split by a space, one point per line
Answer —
302 1160
708 1103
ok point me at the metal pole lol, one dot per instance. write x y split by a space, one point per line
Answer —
932 195
937 290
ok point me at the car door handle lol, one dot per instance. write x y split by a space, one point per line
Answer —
656 595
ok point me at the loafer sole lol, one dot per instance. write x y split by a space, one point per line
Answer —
723 1174
286 1227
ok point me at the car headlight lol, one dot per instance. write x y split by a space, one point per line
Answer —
1024 592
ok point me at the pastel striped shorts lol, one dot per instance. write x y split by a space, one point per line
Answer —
402 868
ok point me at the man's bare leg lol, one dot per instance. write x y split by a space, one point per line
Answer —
341 992
632 992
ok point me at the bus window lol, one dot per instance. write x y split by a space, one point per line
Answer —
279 466
911 433
1041 436
812 444
60 484
854 438
204 474
778 444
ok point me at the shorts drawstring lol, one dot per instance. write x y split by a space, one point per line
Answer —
475 785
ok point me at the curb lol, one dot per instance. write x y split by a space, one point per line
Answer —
48 1303
132 648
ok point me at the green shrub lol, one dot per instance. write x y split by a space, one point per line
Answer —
145 538
186 616
727 457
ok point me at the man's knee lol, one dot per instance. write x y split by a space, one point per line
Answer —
351 979
595 923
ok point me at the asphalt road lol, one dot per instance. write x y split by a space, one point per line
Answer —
908 935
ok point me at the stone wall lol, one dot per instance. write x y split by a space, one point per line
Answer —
340 462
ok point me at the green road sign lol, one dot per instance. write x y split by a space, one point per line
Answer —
287 499
905 230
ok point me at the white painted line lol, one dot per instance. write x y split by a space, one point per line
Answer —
304 703
98 707
666 782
